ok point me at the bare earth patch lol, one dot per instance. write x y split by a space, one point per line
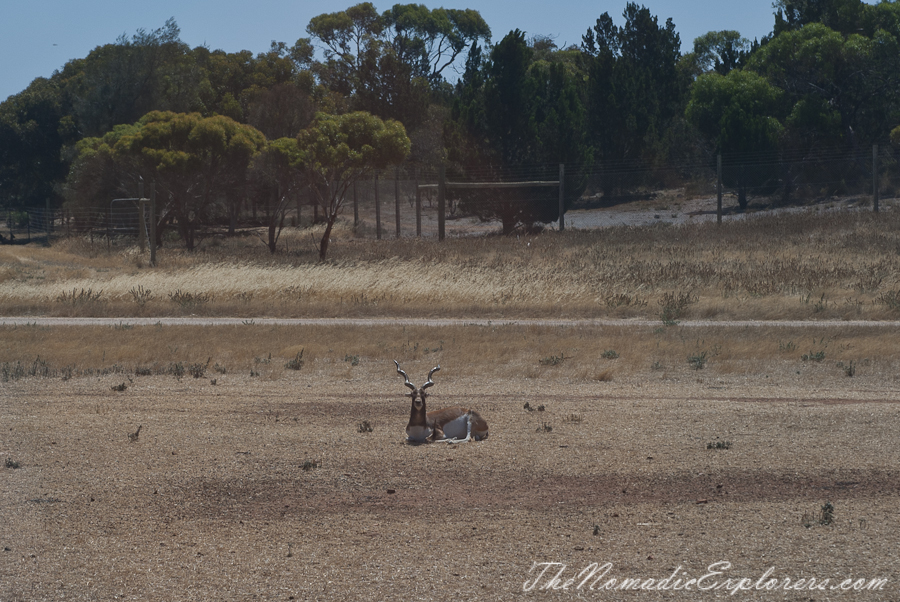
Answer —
265 488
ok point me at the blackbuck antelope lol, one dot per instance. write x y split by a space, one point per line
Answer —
450 425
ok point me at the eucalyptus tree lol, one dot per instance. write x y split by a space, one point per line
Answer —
389 63
198 163
275 178
738 113
337 150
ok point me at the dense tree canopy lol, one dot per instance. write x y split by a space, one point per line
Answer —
738 111
33 130
195 161
635 90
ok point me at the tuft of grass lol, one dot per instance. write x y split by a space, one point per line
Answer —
609 354
199 370
698 361
849 369
673 305
890 299
544 428
574 418
10 463
120 387
141 295
813 356
718 445
553 360
364 427
827 515
10 371
189 301
309 465
176 369
787 346
79 297
40 367
296 363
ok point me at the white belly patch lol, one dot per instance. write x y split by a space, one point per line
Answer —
457 428
418 433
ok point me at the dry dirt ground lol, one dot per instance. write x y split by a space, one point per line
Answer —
264 488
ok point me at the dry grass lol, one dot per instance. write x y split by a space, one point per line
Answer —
503 351
792 266
265 487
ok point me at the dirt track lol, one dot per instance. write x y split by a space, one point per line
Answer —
433 322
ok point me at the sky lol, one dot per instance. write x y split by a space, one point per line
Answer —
38 38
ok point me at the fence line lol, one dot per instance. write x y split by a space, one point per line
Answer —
420 207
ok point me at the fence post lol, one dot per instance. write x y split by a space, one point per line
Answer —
875 177
355 206
562 198
719 188
442 193
377 210
152 223
47 222
142 224
418 206
397 199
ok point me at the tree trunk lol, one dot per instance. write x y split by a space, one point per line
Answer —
326 238
186 229
160 230
272 239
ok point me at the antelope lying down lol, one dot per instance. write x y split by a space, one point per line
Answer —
450 425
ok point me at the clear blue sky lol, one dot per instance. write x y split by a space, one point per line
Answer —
37 38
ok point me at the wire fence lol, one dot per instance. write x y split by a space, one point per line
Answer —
431 203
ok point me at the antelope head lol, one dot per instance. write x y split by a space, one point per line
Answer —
418 395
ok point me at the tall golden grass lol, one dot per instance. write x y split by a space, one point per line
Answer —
803 265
